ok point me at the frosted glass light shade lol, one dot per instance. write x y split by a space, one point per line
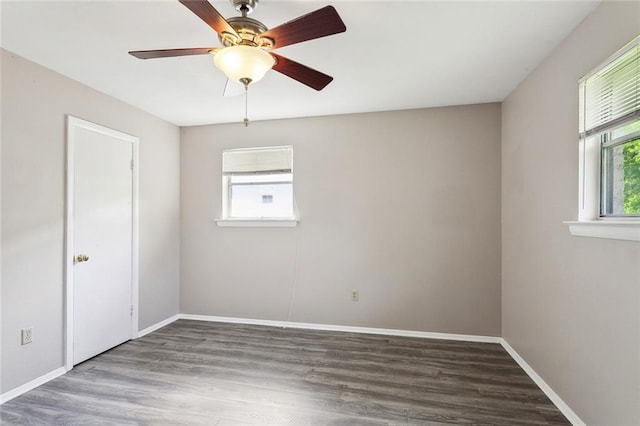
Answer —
240 62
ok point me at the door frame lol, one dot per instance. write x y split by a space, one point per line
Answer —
74 123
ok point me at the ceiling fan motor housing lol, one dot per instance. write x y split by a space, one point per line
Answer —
249 30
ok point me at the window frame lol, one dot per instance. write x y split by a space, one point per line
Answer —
227 186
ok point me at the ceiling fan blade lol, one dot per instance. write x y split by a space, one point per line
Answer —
302 73
206 12
167 53
320 23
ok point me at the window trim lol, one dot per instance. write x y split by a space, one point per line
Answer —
628 230
258 223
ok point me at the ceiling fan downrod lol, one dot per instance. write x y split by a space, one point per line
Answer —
246 7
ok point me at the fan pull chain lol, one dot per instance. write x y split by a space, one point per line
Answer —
246 105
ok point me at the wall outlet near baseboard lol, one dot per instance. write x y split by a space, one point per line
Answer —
355 296
26 335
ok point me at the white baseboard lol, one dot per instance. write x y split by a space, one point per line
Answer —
15 392
557 401
346 328
158 325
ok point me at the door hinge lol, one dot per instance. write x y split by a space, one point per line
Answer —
131 163
131 310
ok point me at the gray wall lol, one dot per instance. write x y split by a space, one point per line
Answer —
35 101
571 305
402 206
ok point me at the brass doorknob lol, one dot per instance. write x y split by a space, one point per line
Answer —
82 258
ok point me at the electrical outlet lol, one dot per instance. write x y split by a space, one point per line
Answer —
354 295
27 335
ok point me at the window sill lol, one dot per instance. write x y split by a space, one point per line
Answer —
262 223
628 230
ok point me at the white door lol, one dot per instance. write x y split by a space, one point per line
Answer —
102 242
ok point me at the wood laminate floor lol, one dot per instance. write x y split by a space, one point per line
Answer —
201 373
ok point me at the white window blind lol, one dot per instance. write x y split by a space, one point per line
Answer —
258 160
610 94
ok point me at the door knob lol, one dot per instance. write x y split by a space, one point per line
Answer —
82 258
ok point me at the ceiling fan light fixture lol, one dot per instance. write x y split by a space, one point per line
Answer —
242 63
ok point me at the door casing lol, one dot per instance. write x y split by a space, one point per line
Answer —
74 123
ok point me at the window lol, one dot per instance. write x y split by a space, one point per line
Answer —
258 183
609 127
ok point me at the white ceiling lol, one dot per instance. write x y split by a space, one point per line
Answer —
394 55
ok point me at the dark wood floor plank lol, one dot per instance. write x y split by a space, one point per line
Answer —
201 373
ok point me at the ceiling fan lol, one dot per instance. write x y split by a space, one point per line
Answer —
247 52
